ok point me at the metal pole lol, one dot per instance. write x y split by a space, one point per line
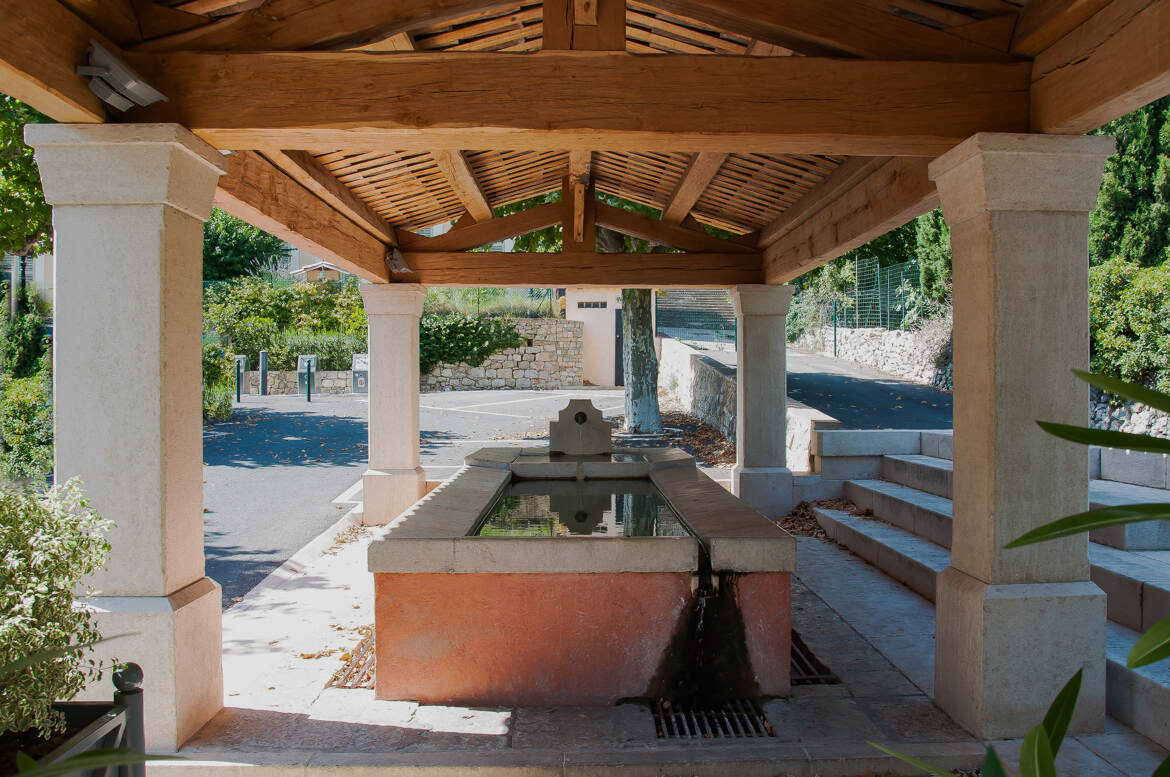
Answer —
309 380
239 381
128 681
834 328
264 373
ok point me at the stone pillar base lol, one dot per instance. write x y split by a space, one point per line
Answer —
767 489
387 492
1003 652
178 642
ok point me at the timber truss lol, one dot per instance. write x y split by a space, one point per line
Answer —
801 127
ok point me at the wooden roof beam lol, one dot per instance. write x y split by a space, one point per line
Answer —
589 101
842 27
584 25
40 45
290 25
845 217
585 268
635 225
307 171
700 171
1043 22
1114 62
260 193
462 179
474 235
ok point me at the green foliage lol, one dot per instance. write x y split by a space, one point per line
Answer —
26 424
25 217
1132 219
233 247
219 382
25 340
50 543
542 240
933 239
1129 315
334 350
489 302
455 339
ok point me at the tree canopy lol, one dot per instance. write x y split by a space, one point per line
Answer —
25 217
232 247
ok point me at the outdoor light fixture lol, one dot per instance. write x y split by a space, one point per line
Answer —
114 82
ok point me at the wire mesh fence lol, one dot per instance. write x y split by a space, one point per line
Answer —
703 318
877 298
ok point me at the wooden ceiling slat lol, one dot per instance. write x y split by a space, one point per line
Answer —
458 35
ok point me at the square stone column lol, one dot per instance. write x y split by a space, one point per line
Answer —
761 476
129 203
1012 626
394 480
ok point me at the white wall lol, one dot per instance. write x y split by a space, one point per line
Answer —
597 339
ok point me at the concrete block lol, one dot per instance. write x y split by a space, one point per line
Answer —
1134 467
809 488
1094 462
412 555
1002 652
923 514
583 555
1138 698
767 489
848 467
1155 603
939 444
1124 596
866 442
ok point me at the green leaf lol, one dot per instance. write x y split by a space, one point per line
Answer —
935 771
1134 391
1153 646
1093 519
1163 770
95 759
1106 438
1059 715
24 762
1036 755
992 766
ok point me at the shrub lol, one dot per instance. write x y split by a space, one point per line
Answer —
26 424
219 382
457 338
1129 318
50 543
334 350
250 336
24 341
217 402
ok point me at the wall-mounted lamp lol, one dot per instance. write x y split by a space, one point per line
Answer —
114 82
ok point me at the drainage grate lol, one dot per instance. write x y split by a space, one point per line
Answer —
737 719
358 669
807 669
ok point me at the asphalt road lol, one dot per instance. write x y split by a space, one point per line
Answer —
283 470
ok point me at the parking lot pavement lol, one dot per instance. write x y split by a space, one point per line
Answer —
283 469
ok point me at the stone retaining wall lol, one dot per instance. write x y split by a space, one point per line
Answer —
1127 416
551 359
915 355
285 382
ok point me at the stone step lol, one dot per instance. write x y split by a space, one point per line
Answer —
925 473
1136 582
1139 698
909 559
927 515
1152 535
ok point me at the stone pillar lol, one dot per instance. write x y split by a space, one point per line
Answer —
129 203
761 476
1014 625
394 480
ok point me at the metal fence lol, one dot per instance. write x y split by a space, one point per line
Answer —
701 318
878 298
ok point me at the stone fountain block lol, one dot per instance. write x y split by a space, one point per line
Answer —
580 430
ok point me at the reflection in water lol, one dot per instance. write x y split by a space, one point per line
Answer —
596 508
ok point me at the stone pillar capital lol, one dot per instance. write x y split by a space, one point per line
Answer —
995 171
761 299
393 299
120 164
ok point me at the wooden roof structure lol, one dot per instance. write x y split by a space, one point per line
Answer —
801 127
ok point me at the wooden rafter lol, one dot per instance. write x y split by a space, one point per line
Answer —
263 195
584 25
841 180
842 218
701 170
474 235
589 101
462 179
1044 22
842 27
307 171
585 269
664 233
309 24
1113 63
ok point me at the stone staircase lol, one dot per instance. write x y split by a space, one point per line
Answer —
909 538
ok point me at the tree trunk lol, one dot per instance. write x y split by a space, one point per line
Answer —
639 362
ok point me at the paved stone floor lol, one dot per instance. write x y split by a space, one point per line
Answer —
285 640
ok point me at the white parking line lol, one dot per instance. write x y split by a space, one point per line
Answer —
529 399
472 412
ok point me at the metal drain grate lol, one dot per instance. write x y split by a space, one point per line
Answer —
358 670
807 669
737 719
